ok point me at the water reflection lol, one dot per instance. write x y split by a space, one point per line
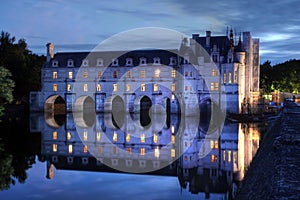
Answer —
205 164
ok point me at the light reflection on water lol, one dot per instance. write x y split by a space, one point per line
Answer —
189 177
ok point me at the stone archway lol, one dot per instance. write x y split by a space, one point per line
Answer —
55 104
145 106
114 108
84 112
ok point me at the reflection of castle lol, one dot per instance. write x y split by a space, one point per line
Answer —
207 164
168 78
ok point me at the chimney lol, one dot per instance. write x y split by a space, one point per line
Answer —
194 36
208 34
50 51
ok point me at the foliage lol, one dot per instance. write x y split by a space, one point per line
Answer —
283 77
6 88
6 169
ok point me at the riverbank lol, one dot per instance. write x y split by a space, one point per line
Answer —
274 172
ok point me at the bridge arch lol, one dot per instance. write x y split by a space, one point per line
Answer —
114 108
55 104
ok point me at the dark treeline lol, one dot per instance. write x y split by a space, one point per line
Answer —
23 65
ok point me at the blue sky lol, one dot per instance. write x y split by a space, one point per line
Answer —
80 25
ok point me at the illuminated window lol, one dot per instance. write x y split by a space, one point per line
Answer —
214 72
99 149
234 156
70 148
173 154
212 144
128 87
115 74
229 77
98 87
173 97
156 152
143 74
54 147
69 87
224 78
85 135
229 156
173 139
115 150
54 75
155 87
115 137
69 135
143 87
127 137
142 151
129 74
85 74
155 138
186 88
191 74
54 135
128 150
70 75
98 136
214 158
186 74
235 77
216 144
212 86
173 87
224 155
99 74
142 138
172 129
157 73
85 149
85 87
216 86
115 87
54 87
173 73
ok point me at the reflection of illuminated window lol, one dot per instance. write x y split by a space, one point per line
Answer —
173 153
142 151
70 148
54 87
155 87
155 138
229 156
115 86
128 87
143 74
235 157
54 147
54 75
85 135
98 136
85 87
99 149
173 87
69 135
98 87
115 137
85 74
84 149
224 155
173 73
69 87
143 138
173 139
213 158
127 137
54 135
128 150
143 87
156 152
70 75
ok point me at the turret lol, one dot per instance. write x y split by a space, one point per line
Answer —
50 51
240 52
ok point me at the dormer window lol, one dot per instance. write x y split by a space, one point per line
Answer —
55 63
143 61
115 62
70 63
173 61
99 62
85 63
129 62
156 61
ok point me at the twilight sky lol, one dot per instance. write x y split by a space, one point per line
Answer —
80 25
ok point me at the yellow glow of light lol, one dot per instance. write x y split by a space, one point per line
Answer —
70 148
143 138
127 137
98 136
173 154
128 150
69 135
54 135
173 139
155 138
142 151
85 149
172 129
115 137
156 152
54 147
157 73
229 156
85 136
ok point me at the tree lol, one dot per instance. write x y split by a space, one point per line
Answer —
6 88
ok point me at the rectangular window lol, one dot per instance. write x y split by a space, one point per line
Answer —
173 139
127 137
85 149
172 129
128 88
214 158
54 87
98 87
99 74
70 148
143 138
128 150
85 87
214 72
142 151
191 74
224 155
173 73
216 144
224 78
54 135
54 147
156 152
186 74
217 86
235 77
98 136
229 77
85 74
115 150
99 149
69 87
115 74
212 86
155 87
115 87
143 74
115 137
229 156
235 156
143 87
186 88
173 87
155 138
69 135
212 144
173 154
70 75
85 135
156 73
54 75
129 74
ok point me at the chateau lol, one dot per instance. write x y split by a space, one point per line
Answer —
204 70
